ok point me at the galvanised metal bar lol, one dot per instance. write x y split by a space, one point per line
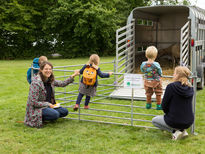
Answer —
125 27
132 107
79 65
67 102
104 116
113 123
71 92
109 85
122 112
67 97
61 99
102 79
125 33
105 89
194 102
62 76
100 97
110 104
104 93
62 70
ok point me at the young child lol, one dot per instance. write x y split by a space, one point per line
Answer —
36 64
152 82
89 81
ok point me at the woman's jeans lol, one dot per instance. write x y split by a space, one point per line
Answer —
159 122
54 114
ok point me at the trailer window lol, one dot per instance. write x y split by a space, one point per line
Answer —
139 21
144 22
141 49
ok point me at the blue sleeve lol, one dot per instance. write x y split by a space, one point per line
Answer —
102 75
82 69
141 67
29 75
35 71
159 70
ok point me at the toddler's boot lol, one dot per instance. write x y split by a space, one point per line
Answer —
158 99
149 102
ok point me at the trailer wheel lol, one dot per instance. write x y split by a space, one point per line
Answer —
200 74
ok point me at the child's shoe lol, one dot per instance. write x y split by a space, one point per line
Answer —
86 107
159 107
177 135
148 106
76 107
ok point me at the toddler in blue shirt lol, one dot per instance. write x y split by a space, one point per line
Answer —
152 81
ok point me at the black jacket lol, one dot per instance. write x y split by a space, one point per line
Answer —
177 105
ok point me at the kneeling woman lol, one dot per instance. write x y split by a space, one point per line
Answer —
41 99
177 105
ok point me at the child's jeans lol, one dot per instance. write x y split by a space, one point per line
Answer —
80 96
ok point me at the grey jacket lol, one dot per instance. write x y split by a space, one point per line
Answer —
37 100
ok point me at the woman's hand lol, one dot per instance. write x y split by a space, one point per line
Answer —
51 106
76 72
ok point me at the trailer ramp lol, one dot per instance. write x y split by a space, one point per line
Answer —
139 94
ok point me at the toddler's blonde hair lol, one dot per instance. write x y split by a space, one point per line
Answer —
42 59
94 59
151 52
182 74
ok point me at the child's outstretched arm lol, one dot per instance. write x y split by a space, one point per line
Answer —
67 81
103 75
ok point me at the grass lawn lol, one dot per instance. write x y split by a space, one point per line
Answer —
72 136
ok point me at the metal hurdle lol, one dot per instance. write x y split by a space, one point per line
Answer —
128 113
127 117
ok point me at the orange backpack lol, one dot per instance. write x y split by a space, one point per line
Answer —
89 76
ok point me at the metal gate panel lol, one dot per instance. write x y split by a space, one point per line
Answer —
125 51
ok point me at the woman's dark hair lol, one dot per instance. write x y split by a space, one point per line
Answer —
42 65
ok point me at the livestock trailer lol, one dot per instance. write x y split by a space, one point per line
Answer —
163 27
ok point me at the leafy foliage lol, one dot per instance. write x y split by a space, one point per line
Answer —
72 28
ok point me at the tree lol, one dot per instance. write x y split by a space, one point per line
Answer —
85 27
78 28
21 26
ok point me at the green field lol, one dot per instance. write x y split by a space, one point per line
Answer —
72 136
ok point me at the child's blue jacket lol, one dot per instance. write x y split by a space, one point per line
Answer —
35 65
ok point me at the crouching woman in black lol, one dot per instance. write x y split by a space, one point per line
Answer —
177 105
